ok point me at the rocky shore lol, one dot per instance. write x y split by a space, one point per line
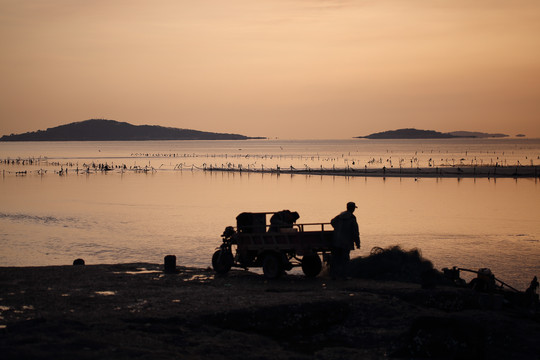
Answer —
138 311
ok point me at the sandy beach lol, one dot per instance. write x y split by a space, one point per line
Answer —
138 311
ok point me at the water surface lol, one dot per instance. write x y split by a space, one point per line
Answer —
117 217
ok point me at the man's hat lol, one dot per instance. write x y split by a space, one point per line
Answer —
351 205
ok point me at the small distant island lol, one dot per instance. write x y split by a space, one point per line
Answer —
112 130
411 133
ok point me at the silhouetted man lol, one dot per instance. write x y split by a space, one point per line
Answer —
346 235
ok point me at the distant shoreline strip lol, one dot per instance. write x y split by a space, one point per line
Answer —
431 172
519 171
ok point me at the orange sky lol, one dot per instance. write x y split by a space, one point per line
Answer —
276 68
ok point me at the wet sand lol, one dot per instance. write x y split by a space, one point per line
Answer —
137 311
457 171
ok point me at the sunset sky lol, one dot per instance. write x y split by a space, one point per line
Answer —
275 68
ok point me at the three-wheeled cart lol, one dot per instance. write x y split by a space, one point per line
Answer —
253 243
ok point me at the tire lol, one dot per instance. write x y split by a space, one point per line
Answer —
272 266
222 261
311 265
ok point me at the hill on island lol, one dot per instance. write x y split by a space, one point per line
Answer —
427 134
111 130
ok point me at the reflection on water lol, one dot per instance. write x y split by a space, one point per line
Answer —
139 271
200 278
113 217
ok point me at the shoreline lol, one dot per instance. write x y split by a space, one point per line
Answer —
465 171
431 172
136 310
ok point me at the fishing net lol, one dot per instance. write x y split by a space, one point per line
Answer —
393 263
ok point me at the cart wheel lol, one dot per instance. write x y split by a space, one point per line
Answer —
222 261
272 266
311 265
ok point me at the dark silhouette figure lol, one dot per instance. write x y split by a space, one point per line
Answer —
346 235
283 220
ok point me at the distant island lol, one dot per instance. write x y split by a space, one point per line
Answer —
111 130
474 134
427 134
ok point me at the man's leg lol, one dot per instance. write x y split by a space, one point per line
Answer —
339 261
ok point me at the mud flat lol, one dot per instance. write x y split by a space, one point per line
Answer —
137 311
466 171
433 172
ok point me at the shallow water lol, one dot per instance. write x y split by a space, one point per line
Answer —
117 217
301 154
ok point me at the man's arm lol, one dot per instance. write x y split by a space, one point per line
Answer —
357 234
334 222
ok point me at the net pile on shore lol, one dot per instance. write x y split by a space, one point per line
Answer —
393 263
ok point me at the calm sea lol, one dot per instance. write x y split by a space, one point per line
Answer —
50 217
